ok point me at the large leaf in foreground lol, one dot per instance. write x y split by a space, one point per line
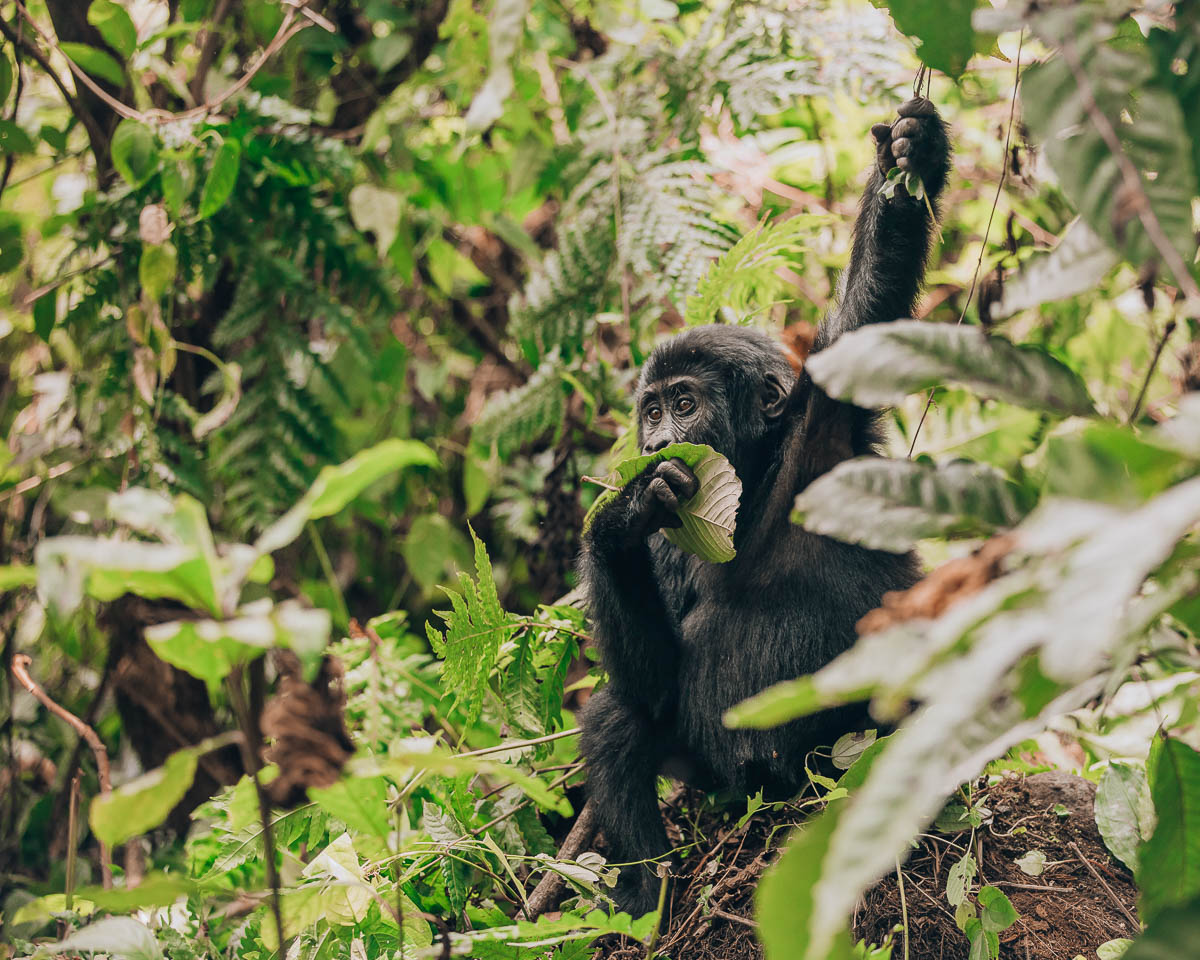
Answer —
891 504
1169 862
883 363
710 516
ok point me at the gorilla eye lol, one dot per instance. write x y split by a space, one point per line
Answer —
685 405
653 414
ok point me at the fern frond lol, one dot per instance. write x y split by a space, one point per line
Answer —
521 415
746 269
475 629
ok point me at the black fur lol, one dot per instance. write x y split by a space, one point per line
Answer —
684 640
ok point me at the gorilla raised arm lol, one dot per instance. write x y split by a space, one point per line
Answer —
684 640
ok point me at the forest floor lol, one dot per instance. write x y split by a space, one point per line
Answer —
1081 899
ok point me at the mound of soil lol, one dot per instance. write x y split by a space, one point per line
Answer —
1082 898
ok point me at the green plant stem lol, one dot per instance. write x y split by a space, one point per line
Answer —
903 906
327 569
662 902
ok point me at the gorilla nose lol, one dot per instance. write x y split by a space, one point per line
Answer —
653 446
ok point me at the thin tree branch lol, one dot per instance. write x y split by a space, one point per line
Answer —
1133 183
20 667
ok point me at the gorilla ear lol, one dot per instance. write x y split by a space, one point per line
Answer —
774 397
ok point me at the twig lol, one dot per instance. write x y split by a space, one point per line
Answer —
251 745
208 51
72 842
95 134
288 28
16 105
1132 181
20 667
1032 886
1012 109
726 915
579 837
1107 889
1158 349
518 744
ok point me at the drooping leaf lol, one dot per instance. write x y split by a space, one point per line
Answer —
336 486
1079 262
891 504
1169 861
114 24
134 152
883 363
143 803
96 62
1124 812
156 268
946 39
222 176
14 140
120 937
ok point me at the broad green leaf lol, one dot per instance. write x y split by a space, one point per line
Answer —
156 269
946 39
1119 76
387 51
891 504
222 176
210 649
1114 949
118 937
1105 462
142 804
850 746
1033 863
14 140
1124 812
336 486
134 152
96 62
709 518
1169 861
1171 935
45 314
12 246
883 363
433 547
114 25
1079 262
376 209
959 879
996 910
104 568
359 802
176 183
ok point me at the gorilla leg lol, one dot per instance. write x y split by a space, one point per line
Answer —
624 753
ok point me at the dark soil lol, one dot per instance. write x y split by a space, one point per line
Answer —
1074 917
1064 912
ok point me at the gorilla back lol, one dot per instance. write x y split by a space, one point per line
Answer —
684 640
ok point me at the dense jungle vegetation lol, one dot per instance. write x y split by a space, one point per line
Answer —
318 324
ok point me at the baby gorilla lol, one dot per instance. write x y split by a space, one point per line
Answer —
684 640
